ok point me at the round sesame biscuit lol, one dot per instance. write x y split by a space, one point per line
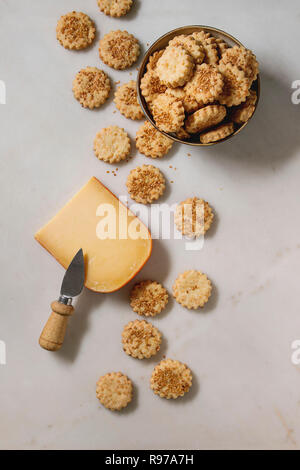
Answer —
153 59
75 30
243 59
119 49
192 289
206 84
151 142
204 118
168 113
175 66
182 134
148 298
140 339
126 101
145 184
243 114
171 379
115 8
112 144
178 92
222 46
190 105
114 390
218 133
209 45
191 45
236 85
193 217
151 87
251 99
245 111
91 87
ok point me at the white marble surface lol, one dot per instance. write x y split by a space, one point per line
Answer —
246 391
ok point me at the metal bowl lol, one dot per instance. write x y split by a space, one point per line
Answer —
161 43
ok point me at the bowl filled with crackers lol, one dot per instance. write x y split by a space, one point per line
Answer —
198 85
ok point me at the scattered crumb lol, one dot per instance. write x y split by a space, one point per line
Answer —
107 171
189 155
170 166
114 112
171 181
117 83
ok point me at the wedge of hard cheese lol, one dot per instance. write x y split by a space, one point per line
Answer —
115 243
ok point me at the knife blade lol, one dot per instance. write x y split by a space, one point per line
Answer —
73 280
53 334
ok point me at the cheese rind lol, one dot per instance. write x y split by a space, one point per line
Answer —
96 221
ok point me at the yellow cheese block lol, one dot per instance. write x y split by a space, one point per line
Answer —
115 243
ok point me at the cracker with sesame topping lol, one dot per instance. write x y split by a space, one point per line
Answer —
112 144
168 113
206 84
141 339
153 59
218 133
190 105
178 92
192 289
75 30
193 217
148 298
151 86
204 118
151 142
209 45
245 111
115 8
192 46
91 87
114 390
145 184
171 379
236 85
222 46
126 101
175 66
119 49
243 59
182 134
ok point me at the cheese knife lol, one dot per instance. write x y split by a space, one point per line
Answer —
53 334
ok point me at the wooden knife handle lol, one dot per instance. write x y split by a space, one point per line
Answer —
53 334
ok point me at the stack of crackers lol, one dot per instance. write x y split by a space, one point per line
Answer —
200 88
